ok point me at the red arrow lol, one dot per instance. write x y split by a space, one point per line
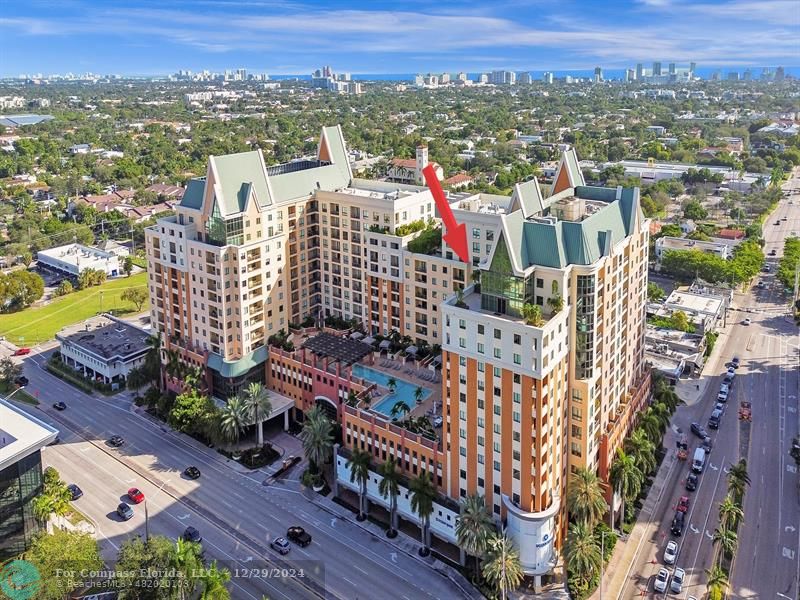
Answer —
456 236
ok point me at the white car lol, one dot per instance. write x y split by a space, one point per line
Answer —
722 396
671 552
676 585
660 584
746 321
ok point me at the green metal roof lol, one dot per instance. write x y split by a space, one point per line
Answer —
237 174
551 243
238 367
193 196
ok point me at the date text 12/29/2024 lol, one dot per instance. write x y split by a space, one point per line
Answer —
264 573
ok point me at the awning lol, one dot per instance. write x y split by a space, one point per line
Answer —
356 335
370 340
411 350
384 345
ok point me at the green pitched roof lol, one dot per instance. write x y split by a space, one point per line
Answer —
238 367
237 174
193 196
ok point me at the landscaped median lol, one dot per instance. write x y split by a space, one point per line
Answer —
38 324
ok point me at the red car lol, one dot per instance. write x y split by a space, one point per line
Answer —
22 351
683 504
136 495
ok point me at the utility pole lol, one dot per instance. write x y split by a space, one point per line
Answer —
602 555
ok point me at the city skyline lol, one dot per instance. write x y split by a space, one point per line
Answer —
161 38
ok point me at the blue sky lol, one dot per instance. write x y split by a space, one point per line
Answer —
290 37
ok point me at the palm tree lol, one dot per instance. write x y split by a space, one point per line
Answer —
317 437
233 419
502 568
391 383
651 425
186 559
359 471
42 507
726 541
400 407
717 578
256 399
582 553
738 480
643 451
585 497
555 302
626 478
214 580
422 495
389 486
532 313
660 410
474 528
418 394
730 513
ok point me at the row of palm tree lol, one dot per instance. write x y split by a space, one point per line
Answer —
725 539
239 412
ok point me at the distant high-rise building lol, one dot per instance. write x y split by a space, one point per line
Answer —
733 76
715 76
780 74
692 68
503 77
748 75
547 77
598 74
462 76
672 68
639 71
419 80
630 75
241 74
445 78
327 71
656 69
483 78
525 78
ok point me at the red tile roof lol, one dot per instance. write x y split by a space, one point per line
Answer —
408 163
731 234
458 178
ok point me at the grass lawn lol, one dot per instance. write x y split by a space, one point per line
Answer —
39 324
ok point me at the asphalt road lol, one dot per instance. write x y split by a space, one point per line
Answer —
235 513
768 560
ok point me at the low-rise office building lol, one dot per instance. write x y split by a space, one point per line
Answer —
719 247
74 258
22 437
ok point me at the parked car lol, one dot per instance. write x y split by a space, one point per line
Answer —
676 585
683 504
136 495
747 321
691 482
731 372
280 545
22 381
671 552
192 472
59 406
722 396
116 441
707 444
660 584
438 421
74 491
761 285
714 419
298 535
677 523
720 406
191 534
773 252
22 351
766 269
735 362
698 430
124 511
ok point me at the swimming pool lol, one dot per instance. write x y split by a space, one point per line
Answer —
404 390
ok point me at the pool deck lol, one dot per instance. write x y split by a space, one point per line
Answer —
409 373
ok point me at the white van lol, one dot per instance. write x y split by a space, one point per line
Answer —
699 460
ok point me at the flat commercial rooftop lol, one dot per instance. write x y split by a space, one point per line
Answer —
21 434
106 337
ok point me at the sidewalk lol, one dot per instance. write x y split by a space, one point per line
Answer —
402 542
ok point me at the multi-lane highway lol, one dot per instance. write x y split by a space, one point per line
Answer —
768 561
236 514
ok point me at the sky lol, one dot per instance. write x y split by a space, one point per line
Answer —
149 37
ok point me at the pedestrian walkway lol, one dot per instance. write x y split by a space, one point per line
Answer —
402 542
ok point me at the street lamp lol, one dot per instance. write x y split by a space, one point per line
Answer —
602 556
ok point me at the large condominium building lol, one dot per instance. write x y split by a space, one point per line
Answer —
527 400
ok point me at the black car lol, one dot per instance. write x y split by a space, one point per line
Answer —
735 362
59 406
707 444
192 472
773 252
691 482
75 491
124 511
677 523
699 430
116 441
298 535
192 535
21 381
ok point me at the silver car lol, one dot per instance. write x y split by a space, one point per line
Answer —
676 585
671 552
660 584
